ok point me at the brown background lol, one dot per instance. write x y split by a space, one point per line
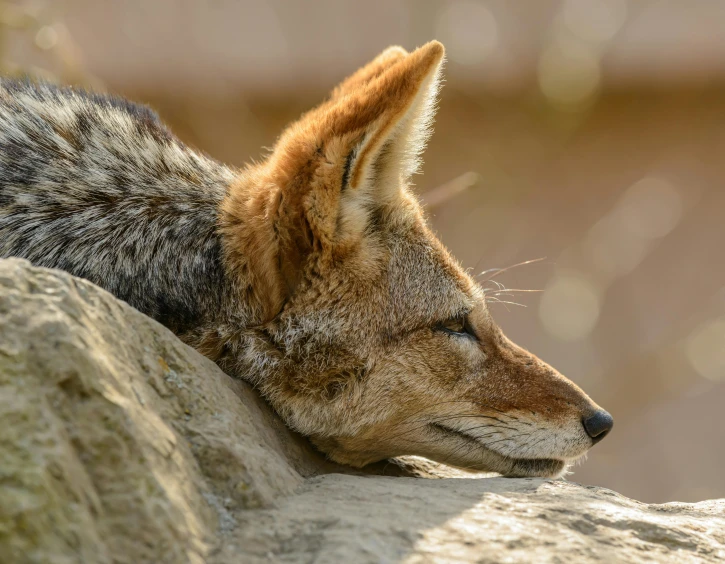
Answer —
589 132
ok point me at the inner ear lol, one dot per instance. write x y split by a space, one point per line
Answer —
403 97
340 160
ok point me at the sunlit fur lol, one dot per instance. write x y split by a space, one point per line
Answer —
328 289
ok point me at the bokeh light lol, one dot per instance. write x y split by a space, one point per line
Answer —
46 38
594 21
570 306
651 208
569 74
706 350
618 242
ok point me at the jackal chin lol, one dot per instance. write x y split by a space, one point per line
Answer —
463 450
516 459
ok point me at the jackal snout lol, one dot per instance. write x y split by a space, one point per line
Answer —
542 390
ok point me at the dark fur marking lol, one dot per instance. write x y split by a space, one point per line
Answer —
348 166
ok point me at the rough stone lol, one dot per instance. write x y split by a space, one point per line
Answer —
118 443
337 518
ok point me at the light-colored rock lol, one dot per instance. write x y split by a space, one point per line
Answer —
337 518
120 444
117 441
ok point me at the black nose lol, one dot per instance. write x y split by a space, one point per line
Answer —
598 425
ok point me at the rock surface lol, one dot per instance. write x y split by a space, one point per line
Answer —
337 518
118 443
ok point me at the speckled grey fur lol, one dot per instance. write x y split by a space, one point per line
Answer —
98 187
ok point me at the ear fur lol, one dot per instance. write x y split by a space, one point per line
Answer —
328 165
404 96
370 71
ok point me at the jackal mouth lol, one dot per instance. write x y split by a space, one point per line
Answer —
517 467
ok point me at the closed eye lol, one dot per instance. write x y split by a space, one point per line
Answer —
458 326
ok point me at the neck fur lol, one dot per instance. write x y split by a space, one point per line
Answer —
251 247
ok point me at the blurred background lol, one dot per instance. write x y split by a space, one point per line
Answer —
587 133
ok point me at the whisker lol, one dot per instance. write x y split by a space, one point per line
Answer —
495 291
497 271
497 301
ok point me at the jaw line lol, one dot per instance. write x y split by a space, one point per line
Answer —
520 467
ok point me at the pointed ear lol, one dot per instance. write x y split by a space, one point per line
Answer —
394 111
372 70
351 153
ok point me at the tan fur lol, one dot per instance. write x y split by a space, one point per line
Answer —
353 288
370 71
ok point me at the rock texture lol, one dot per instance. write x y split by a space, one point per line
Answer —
336 518
120 444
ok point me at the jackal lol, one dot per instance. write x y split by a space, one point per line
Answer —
312 274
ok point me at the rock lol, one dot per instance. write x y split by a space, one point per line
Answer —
118 443
336 518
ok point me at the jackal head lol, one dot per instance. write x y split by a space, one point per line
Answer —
376 343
